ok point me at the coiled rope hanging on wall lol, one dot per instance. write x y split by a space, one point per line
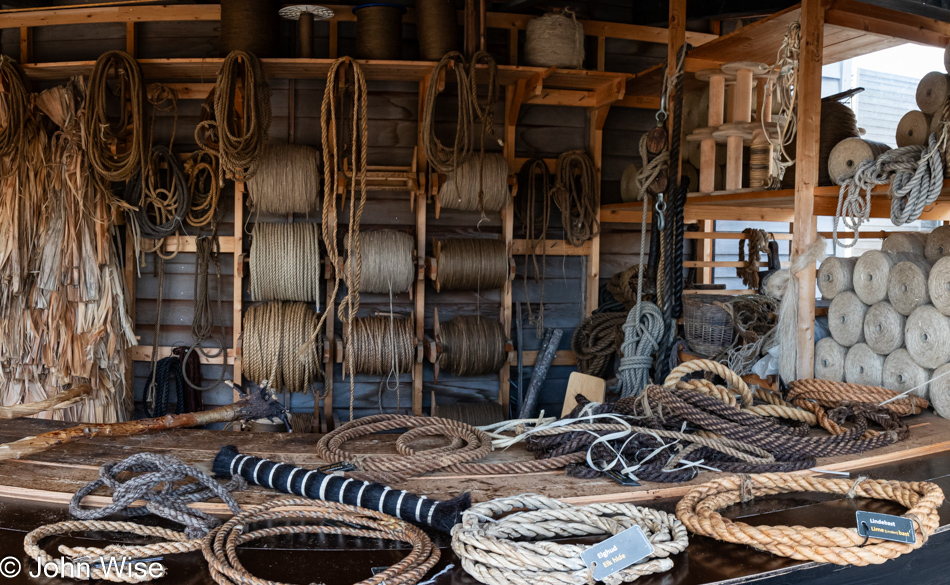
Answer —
575 194
241 141
202 172
161 196
534 174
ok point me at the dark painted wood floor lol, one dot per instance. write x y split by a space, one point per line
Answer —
342 561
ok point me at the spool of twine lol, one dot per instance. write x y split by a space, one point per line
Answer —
379 31
472 264
884 328
829 360
285 262
280 347
381 344
938 243
760 160
871 273
834 276
845 157
388 260
837 123
476 414
908 242
907 287
555 40
932 92
863 366
913 129
901 373
478 184
287 180
846 319
939 390
437 28
250 25
628 183
938 285
927 336
472 346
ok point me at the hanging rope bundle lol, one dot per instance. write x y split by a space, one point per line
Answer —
596 341
378 345
165 377
14 109
758 243
388 259
555 40
285 262
478 184
202 172
478 264
287 180
472 346
534 174
161 198
641 337
783 85
575 194
280 345
241 140
699 511
499 548
220 548
101 133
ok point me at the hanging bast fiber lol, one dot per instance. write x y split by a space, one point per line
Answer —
312 483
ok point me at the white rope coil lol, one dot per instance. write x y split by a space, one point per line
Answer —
910 242
555 40
901 373
847 155
938 243
927 336
913 129
932 92
872 271
279 345
863 366
939 390
884 328
287 180
388 261
846 319
938 285
834 276
478 184
829 360
907 285
285 262
500 548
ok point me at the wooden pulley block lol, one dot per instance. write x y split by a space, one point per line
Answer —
659 184
657 140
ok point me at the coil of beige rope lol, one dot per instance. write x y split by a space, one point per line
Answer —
241 142
486 542
699 511
773 404
220 547
575 194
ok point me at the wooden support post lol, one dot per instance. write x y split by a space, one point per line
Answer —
334 53
421 165
705 250
513 46
507 223
707 148
130 38
596 117
601 53
26 45
237 326
806 175
291 105
470 28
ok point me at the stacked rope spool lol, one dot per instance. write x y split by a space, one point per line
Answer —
889 317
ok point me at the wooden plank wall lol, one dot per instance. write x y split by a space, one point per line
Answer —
542 131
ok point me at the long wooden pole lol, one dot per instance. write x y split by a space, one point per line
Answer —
806 175
64 399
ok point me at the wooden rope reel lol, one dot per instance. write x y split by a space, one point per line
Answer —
435 347
439 179
717 104
305 14
341 345
433 263
741 128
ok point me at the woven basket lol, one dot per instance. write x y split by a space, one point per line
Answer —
707 326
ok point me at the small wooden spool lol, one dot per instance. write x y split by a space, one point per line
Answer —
742 113
913 129
848 154
932 92
717 107
305 14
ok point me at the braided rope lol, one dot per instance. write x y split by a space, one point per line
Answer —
642 332
486 542
698 510
833 394
720 370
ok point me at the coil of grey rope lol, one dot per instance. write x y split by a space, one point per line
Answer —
642 333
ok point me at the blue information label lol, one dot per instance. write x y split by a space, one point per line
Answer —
617 553
886 527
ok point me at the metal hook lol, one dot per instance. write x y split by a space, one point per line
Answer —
660 208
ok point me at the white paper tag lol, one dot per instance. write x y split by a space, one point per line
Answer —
617 553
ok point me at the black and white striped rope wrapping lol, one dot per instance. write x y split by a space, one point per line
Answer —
312 483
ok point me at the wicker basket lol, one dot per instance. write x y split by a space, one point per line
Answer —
707 326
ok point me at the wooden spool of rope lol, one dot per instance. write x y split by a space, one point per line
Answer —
478 264
287 180
467 345
281 346
437 28
388 262
829 360
932 92
251 26
305 15
285 262
379 31
907 242
382 344
846 319
901 373
913 129
478 184
845 157
863 366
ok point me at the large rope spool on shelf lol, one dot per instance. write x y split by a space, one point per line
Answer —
379 31
478 184
907 286
285 262
932 92
908 242
829 360
901 373
381 345
927 336
837 123
478 264
287 180
437 28
388 261
846 319
863 366
871 273
938 285
554 40
250 25
938 243
939 390
913 129
834 276
279 347
884 328
472 346
847 155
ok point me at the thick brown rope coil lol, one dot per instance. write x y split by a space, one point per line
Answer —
202 172
280 345
388 260
100 132
11 136
287 180
472 346
381 344
758 242
241 142
285 262
575 194
479 264
498 547
596 341
220 549
699 511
